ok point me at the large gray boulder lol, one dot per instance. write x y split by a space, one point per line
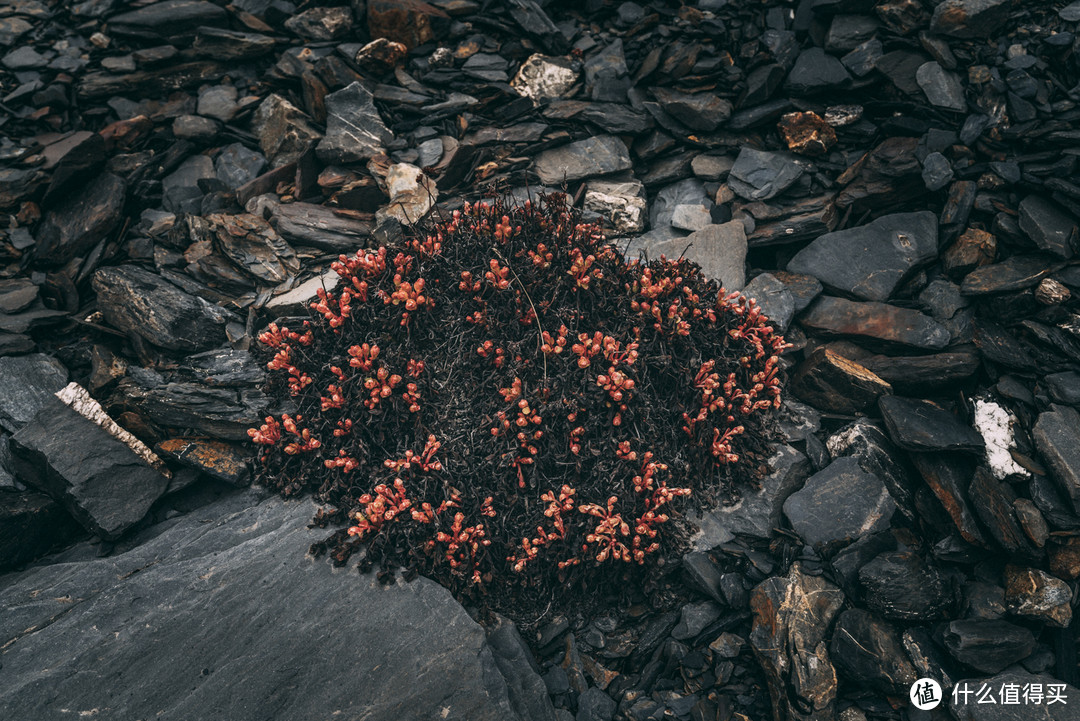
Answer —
220 615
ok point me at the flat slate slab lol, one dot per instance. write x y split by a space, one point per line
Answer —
222 616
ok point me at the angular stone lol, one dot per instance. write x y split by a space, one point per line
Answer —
542 77
167 19
847 32
773 298
969 18
26 384
685 192
878 324
31 524
901 585
942 88
606 75
694 618
870 261
937 172
180 189
16 294
321 23
691 217
1057 436
412 194
622 205
791 617
823 522
238 560
921 425
216 459
993 502
224 413
833 383
237 165
319 227
876 454
948 476
803 288
81 220
720 250
100 478
222 44
285 132
410 22
759 175
298 300
1032 521
869 652
711 167
988 646
137 301
588 158
354 127
816 72
1048 226
1033 593
758 511
254 247
888 176
697 111
806 133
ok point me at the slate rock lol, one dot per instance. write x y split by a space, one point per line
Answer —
216 459
542 77
875 453
847 32
167 19
180 189
298 300
758 511
319 227
719 249
410 647
948 476
698 111
760 175
815 72
901 585
807 133
100 479
988 646
994 503
1048 226
138 301
773 298
26 384
921 425
831 382
606 75
803 288
870 261
1015 273
236 165
820 519
876 324
792 615
254 247
595 705
1057 436
81 220
622 205
410 22
869 652
1034 593
685 192
969 18
937 172
16 294
1063 387
942 88
284 131
588 158
691 217
354 128
31 525
321 23
223 44
695 618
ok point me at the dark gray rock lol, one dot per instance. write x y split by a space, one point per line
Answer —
948 476
847 32
319 227
876 455
875 324
942 299
823 522
720 250
901 585
815 72
180 189
698 111
1048 226
354 128
760 175
101 481
587 158
284 131
606 75
237 165
26 383
988 646
685 192
16 294
595 705
1057 436
31 525
168 19
969 18
1014 273
140 302
224 413
870 261
921 425
694 619
774 299
409 649
321 23
868 651
81 220
834 383
942 88
937 172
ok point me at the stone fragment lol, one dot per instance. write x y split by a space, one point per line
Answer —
996 425
720 250
26 383
937 172
868 651
180 189
409 22
600 155
412 194
902 586
216 459
254 247
823 522
877 455
875 323
941 87
847 32
816 72
354 127
988 646
298 300
1057 436
223 413
195 128
285 132
691 217
544 78
321 23
167 19
319 227
1033 593
969 18
807 133
1049 227
81 220
236 165
711 167
870 261
760 175
697 111
222 44
622 204
948 476
137 301
1014 273
791 617
773 298
833 383
31 524
606 75
16 294
921 425
994 504
685 192
694 618
1052 292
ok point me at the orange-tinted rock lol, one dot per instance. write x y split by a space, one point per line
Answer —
409 22
214 458
834 383
807 133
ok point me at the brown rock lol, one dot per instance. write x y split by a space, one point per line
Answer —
902 16
947 475
806 133
974 248
81 220
874 323
832 382
1036 594
1051 292
217 459
381 56
409 22
1064 552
